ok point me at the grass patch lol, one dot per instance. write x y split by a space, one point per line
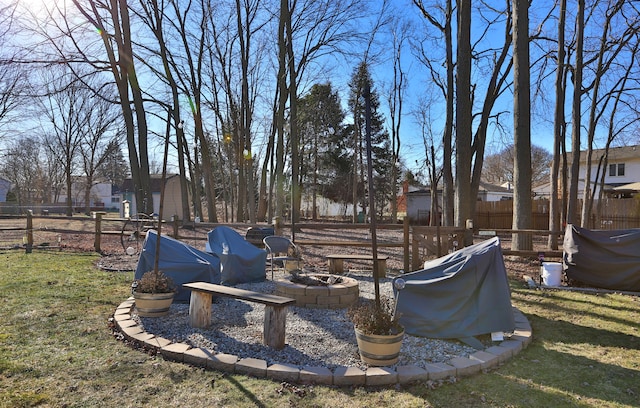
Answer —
56 350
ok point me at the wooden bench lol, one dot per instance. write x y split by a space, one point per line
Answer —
275 312
336 262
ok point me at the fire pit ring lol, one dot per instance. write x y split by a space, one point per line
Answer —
326 296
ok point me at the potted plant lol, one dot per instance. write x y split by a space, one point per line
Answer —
378 333
153 293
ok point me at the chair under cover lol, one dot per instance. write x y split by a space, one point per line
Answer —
461 295
241 261
179 261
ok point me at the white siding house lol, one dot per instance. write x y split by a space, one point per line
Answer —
100 195
623 168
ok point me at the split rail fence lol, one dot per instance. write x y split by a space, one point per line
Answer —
414 244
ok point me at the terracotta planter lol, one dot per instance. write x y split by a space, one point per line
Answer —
379 350
153 304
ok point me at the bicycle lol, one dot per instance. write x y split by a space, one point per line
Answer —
134 231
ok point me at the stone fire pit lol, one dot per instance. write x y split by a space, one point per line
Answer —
319 290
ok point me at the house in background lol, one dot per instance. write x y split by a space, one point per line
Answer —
492 192
101 195
622 172
418 201
5 187
172 196
621 178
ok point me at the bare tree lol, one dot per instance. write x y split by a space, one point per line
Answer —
112 20
153 15
308 30
469 143
434 162
576 115
66 108
498 167
23 167
609 53
464 102
447 87
12 76
395 99
99 129
559 128
522 217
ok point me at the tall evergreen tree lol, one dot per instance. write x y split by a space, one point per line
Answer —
114 168
380 142
320 117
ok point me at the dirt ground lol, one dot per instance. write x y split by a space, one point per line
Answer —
62 234
114 256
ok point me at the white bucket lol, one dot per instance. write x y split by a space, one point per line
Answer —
551 273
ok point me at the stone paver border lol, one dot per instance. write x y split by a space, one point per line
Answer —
340 376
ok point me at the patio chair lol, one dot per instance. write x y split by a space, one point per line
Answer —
280 250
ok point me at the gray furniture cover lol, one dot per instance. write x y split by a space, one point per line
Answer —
240 261
460 295
179 261
608 259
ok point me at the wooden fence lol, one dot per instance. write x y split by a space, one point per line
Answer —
411 244
616 214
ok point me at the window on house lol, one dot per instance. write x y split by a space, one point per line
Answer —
616 169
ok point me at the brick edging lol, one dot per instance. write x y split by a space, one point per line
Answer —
341 376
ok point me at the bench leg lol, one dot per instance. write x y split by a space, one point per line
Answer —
275 318
336 266
200 309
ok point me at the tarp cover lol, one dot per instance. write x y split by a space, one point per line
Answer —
179 261
460 295
608 259
240 261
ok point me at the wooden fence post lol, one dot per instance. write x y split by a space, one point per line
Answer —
29 243
406 233
277 225
98 230
175 226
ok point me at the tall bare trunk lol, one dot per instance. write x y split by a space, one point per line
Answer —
576 117
558 133
522 127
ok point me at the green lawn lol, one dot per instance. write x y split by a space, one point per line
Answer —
56 349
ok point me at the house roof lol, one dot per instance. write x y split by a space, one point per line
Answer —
484 186
156 180
615 153
631 187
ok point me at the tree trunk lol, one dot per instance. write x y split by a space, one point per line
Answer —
558 134
522 127
463 199
576 117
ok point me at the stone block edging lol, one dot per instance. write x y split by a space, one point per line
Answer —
335 296
340 376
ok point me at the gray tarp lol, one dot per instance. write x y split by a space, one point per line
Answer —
241 261
179 261
607 259
460 295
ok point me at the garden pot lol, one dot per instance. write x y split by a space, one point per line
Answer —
379 350
153 304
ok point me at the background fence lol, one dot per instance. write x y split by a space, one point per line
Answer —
616 214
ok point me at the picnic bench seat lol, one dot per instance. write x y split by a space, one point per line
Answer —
336 262
275 312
